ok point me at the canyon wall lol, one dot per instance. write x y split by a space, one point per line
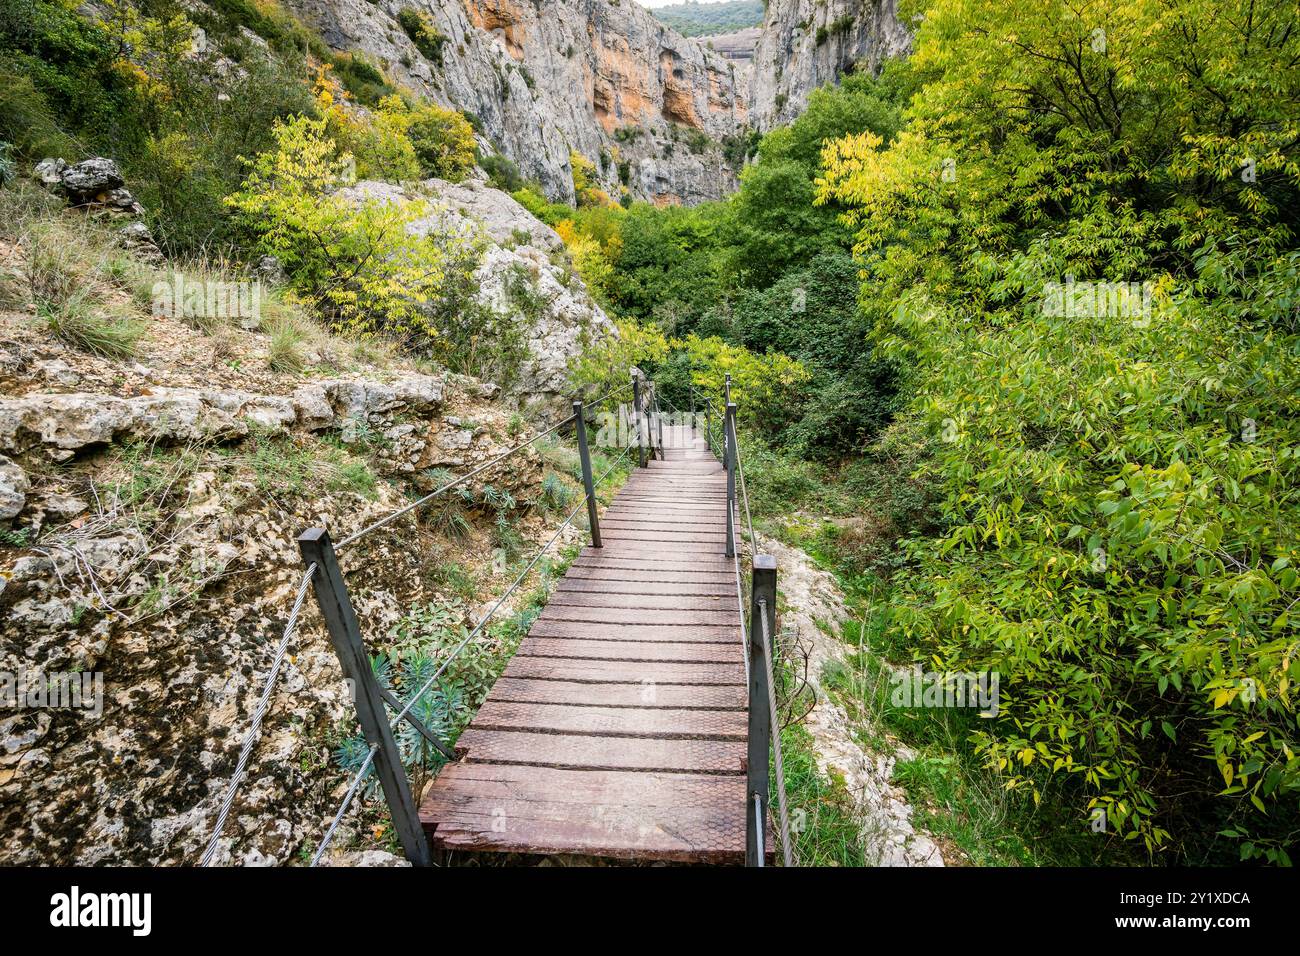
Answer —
805 44
653 110
649 107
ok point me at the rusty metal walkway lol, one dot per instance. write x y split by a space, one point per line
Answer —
619 727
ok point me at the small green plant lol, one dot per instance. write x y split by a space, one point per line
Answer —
66 268
355 476
85 322
419 26
456 578
556 495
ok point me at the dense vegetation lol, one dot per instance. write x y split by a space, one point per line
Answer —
232 163
706 19
1075 261
1019 315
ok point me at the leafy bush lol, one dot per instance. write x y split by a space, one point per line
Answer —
355 262
419 26
443 141
1116 486
502 172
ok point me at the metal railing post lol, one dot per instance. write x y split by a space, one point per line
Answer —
345 635
762 601
649 401
708 425
726 403
659 417
636 418
729 459
588 485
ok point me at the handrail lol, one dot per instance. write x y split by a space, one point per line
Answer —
306 582
478 629
758 633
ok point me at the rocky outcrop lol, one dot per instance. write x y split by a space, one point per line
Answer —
543 77
63 424
518 247
96 185
805 44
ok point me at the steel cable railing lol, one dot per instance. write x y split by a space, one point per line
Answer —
756 631
255 728
776 735
461 479
354 787
254 731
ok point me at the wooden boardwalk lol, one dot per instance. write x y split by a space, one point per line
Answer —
619 727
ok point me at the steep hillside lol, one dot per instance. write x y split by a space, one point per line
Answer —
649 107
708 19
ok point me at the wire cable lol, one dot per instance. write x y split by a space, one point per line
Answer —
255 728
478 628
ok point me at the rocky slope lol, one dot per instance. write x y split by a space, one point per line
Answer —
807 43
544 77
812 605
149 507
516 246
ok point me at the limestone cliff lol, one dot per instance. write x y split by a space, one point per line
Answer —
600 77
805 44
652 109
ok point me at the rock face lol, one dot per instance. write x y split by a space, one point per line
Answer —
652 109
64 424
649 107
805 44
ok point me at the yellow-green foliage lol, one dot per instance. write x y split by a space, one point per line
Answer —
761 383
608 363
585 188
1118 487
354 260
443 141
768 381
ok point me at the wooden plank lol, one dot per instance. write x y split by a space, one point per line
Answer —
632 597
679 696
696 651
626 615
621 672
723 587
620 552
660 722
693 541
617 569
671 817
602 753
591 631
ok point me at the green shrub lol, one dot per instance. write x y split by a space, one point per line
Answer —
1115 477
443 141
324 241
426 37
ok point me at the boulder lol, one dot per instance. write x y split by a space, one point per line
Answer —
13 489
85 181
